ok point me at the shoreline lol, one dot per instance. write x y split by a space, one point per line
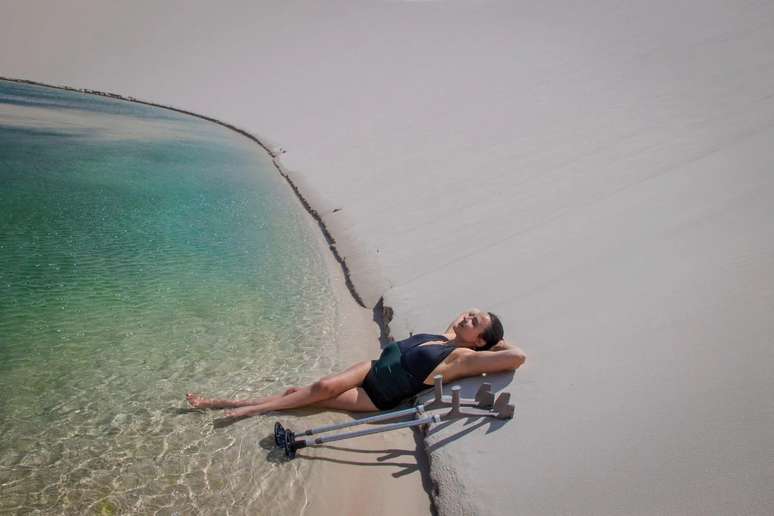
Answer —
359 476
334 486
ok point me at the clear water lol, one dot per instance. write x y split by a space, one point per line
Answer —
144 254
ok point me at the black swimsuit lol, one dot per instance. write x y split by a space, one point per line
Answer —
402 368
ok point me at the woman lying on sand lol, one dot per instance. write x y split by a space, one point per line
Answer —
472 344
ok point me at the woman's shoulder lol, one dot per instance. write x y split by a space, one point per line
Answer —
457 355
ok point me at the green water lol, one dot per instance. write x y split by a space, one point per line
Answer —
144 254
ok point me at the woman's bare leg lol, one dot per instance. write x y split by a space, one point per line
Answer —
197 401
353 400
324 389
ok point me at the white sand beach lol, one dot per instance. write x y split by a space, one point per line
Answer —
597 175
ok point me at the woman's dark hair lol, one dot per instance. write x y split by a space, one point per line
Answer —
493 334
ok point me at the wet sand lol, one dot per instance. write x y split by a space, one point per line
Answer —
381 474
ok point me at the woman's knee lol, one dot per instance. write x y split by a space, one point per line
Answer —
331 386
325 388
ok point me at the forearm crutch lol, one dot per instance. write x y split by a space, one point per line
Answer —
484 398
483 405
286 439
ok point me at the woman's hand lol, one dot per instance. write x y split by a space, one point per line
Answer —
502 346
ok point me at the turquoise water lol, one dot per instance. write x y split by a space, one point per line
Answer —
146 253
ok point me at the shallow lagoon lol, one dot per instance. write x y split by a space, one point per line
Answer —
145 253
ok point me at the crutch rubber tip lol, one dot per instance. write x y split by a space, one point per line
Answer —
279 435
291 445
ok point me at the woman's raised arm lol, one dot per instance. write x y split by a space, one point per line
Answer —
503 356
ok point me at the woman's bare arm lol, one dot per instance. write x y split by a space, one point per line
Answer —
503 356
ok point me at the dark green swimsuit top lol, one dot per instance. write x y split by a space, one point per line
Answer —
402 368
420 361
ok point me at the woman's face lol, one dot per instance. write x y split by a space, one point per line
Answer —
472 325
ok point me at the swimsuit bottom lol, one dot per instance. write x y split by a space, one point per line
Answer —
388 383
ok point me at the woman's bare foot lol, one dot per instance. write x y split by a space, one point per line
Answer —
250 410
197 401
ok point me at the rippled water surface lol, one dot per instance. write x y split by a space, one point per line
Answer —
143 254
